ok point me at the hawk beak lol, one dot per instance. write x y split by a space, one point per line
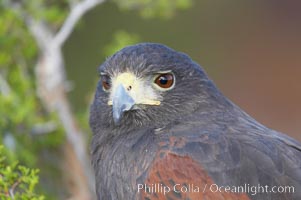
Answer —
122 102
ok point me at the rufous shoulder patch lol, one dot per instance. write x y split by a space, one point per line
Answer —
180 177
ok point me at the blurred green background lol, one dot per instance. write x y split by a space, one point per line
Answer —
251 49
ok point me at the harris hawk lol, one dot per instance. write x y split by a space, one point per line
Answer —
162 130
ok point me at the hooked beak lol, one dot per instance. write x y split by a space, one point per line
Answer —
122 102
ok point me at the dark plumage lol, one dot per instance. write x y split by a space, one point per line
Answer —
189 134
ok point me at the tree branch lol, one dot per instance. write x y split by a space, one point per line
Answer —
40 31
50 77
45 128
4 87
12 189
77 11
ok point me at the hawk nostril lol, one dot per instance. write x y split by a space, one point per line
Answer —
129 88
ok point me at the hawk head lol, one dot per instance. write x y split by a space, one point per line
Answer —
148 84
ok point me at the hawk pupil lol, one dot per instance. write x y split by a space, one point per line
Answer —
163 80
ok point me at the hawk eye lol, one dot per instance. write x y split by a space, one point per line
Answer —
165 81
106 82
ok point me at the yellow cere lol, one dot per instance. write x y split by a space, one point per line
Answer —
126 79
139 92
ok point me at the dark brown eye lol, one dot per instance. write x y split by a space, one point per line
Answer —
106 82
165 80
